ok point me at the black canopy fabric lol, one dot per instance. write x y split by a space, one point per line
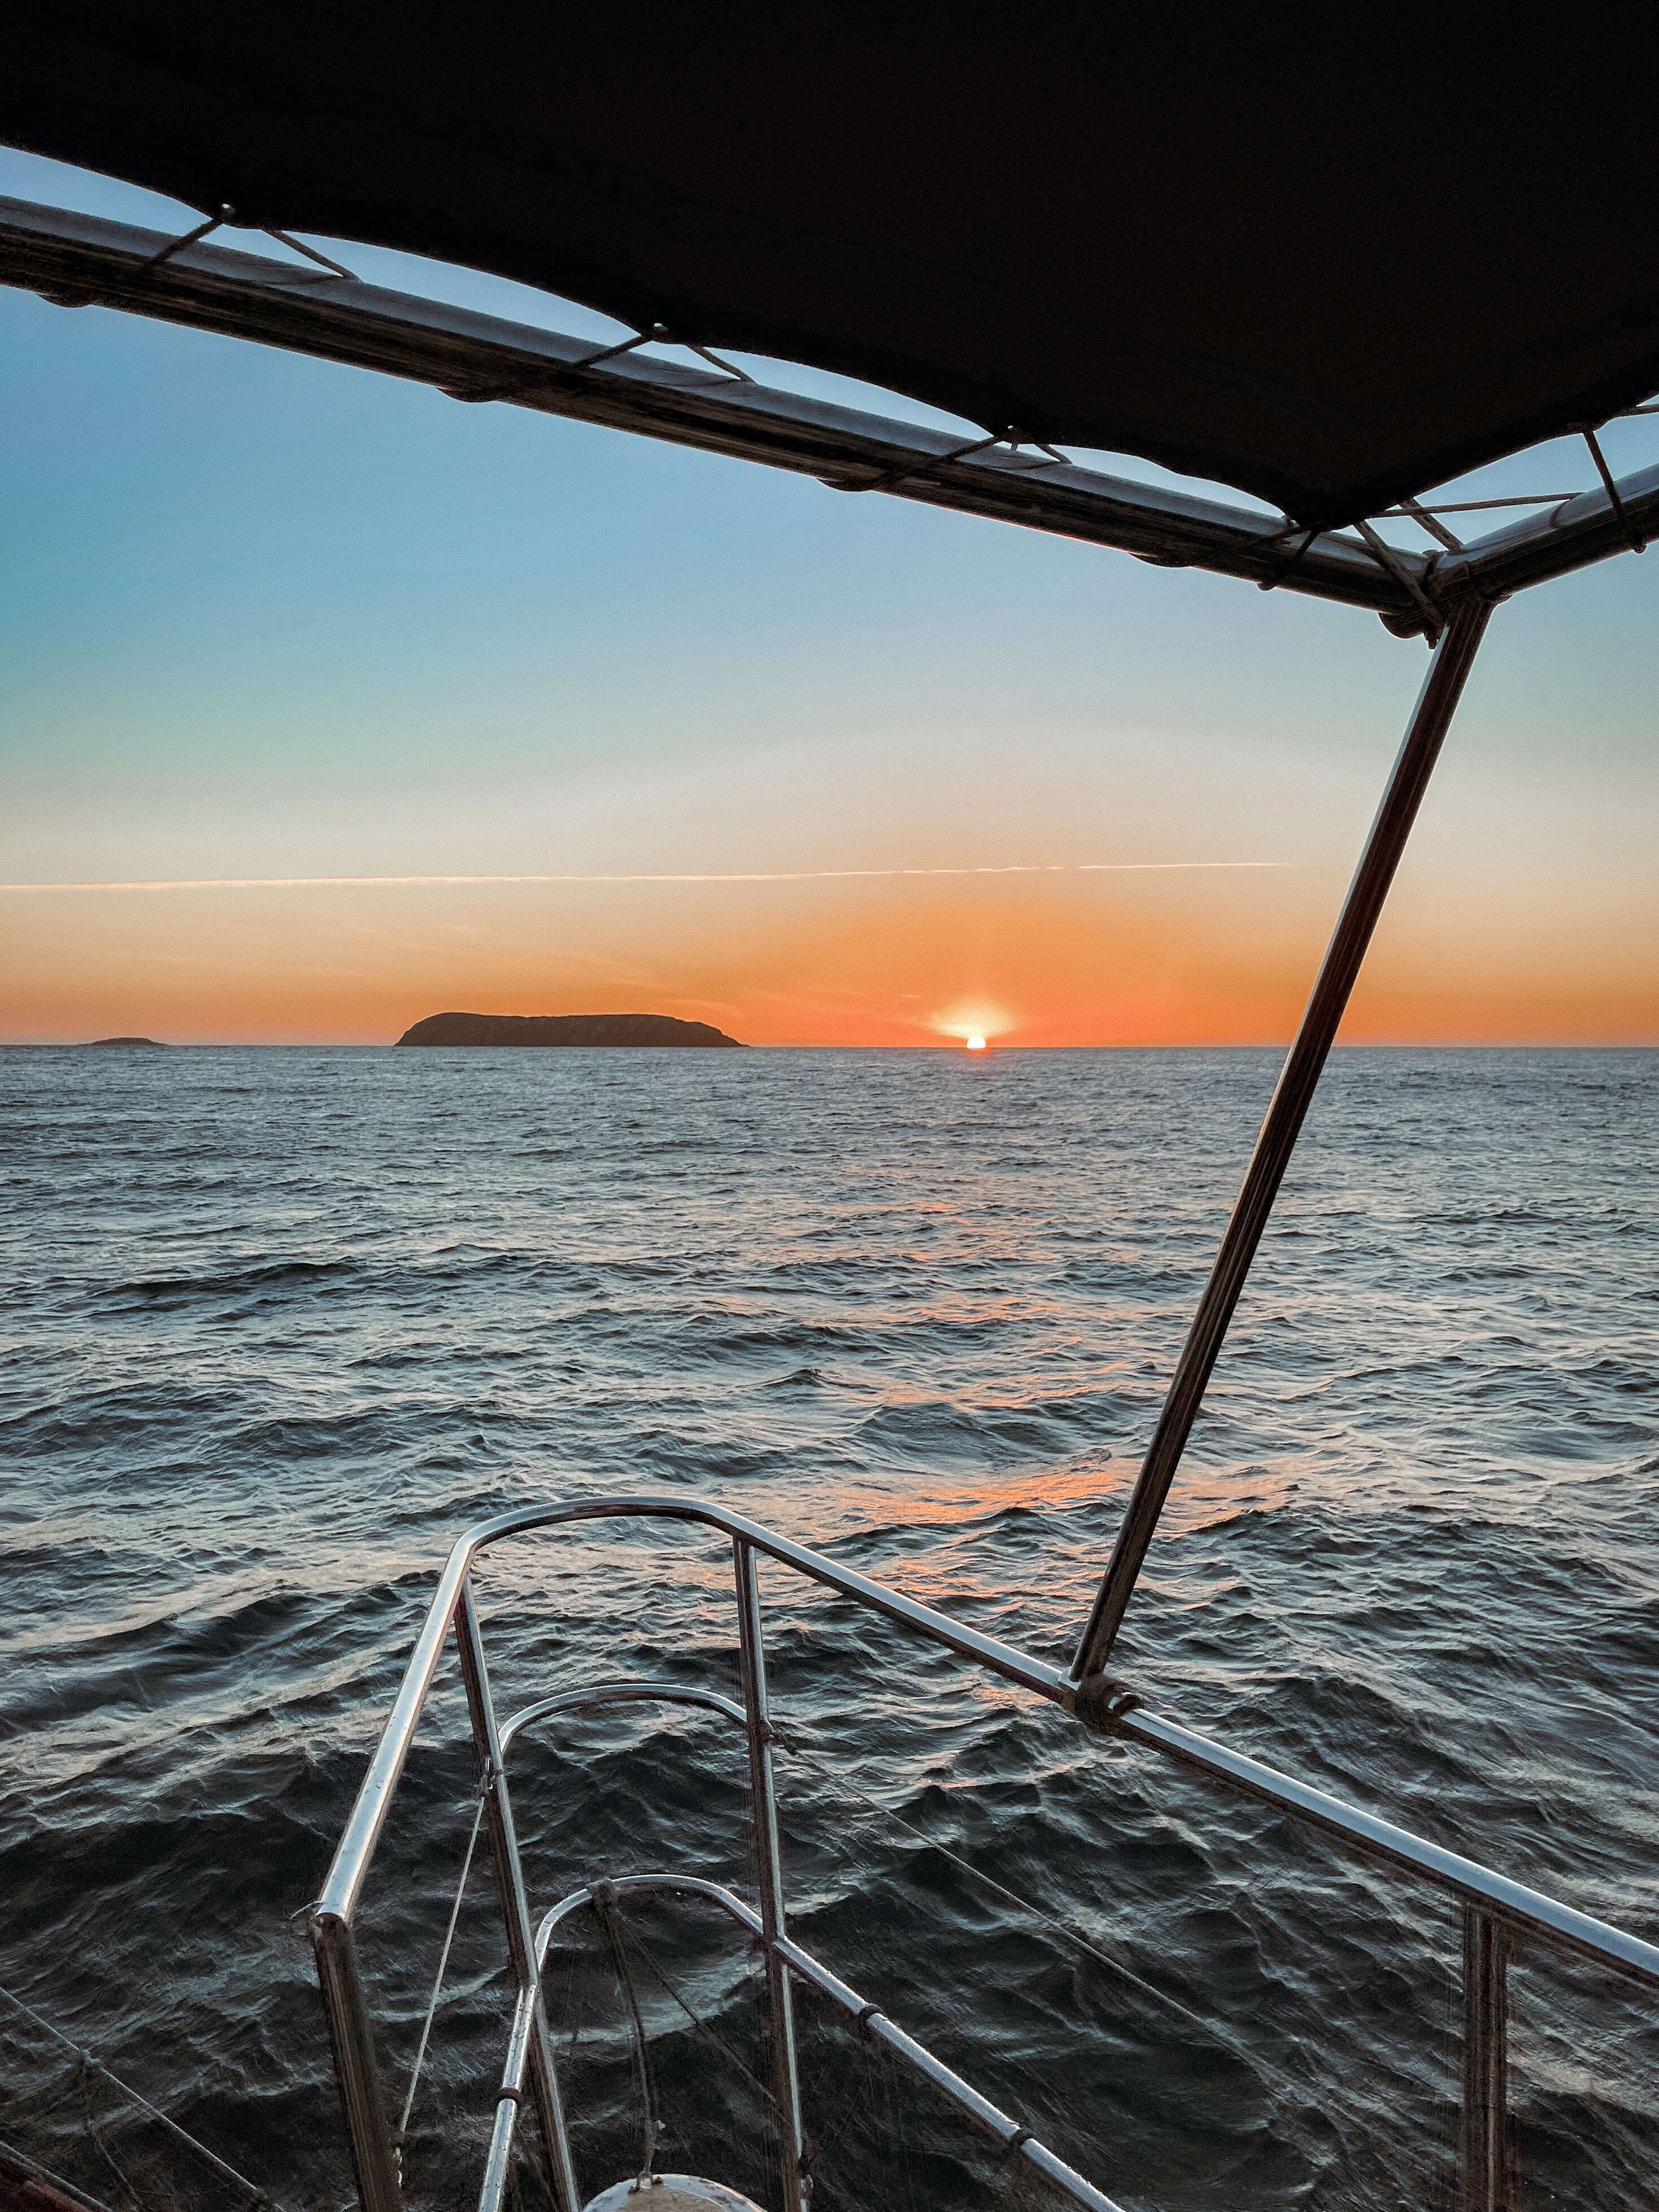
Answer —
1331 256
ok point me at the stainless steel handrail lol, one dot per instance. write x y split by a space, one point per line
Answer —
1527 1911
751 1718
1497 1910
343 1885
510 1891
1545 1917
1014 2138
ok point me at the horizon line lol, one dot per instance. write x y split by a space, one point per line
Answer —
941 1044
760 876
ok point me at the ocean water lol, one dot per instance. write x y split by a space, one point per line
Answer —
278 1325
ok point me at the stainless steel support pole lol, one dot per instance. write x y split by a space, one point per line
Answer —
1293 1095
764 1806
515 1903
367 2128
1484 2150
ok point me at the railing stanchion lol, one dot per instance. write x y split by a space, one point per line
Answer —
367 2129
763 1799
514 1902
1484 2148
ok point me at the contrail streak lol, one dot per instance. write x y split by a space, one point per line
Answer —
758 876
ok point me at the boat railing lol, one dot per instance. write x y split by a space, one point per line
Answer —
1499 1917
1014 2140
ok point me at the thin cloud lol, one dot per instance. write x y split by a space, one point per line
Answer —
757 875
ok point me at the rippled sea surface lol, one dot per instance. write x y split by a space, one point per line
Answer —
280 1324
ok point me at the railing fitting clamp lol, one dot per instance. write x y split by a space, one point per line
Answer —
1100 1704
300 1923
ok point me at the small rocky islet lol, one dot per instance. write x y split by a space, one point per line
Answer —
581 1029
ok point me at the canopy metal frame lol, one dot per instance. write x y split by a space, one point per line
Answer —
1293 1094
80 260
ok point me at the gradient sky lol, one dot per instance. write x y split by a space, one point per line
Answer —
264 618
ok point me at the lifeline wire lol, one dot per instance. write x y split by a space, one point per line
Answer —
443 1968
1060 1927
605 1910
90 2122
697 2019
143 2103
768 2098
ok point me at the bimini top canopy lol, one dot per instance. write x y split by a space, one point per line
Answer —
1330 255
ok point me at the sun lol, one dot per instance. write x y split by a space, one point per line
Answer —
975 1044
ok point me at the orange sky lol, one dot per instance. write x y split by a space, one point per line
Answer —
1181 959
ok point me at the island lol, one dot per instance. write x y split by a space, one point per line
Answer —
566 1030
150 1044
